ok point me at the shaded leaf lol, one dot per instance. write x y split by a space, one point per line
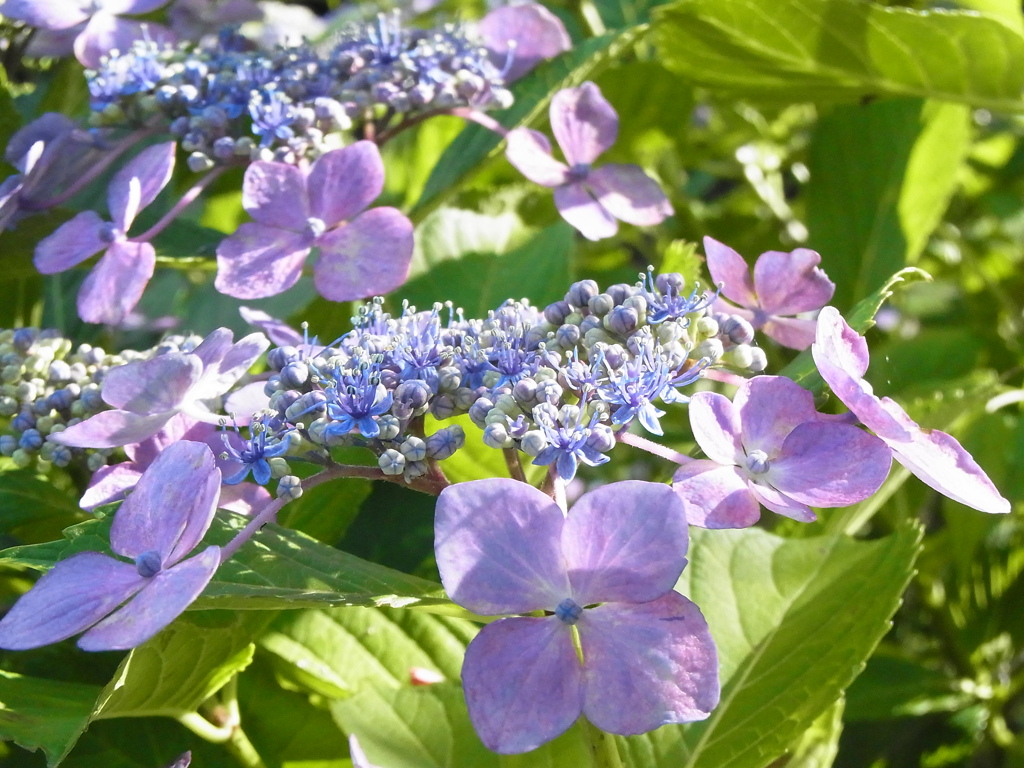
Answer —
44 714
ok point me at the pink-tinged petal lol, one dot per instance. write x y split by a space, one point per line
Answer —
172 505
791 332
824 464
278 331
159 603
498 547
71 597
111 429
259 261
780 503
138 183
730 270
116 283
108 484
530 153
46 14
941 462
72 243
243 403
151 386
716 426
716 496
531 31
343 182
368 257
132 6
582 211
791 283
647 665
275 195
523 683
625 542
769 408
214 347
841 356
629 194
584 123
244 498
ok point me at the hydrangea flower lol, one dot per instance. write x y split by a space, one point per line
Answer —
116 283
145 395
604 574
937 458
362 252
768 446
122 604
585 125
783 284
97 24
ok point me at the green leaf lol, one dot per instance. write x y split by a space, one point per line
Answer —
476 144
891 687
540 270
180 668
802 369
842 49
794 622
871 205
819 745
276 569
44 714
29 500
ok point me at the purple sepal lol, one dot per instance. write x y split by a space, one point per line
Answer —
116 283
278 331
530 31
582 211
46 14
529 152
627 650
259 261
109 484
72 243
164 514
163 598
629 194
111 429
139 182
106 33
71 597
343 182
369 256
523 683
507 561
152 386
274 194
584 123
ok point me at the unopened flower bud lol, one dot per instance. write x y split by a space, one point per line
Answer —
391 462
414 449
533 443
289 487
496 436
580 293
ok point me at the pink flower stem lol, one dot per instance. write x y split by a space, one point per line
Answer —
515 468
186 200
431 483
651 447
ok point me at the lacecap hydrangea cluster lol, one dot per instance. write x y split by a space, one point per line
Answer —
226 101
556 384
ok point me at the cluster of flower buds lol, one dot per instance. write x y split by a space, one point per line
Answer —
226 101
47 385
556 384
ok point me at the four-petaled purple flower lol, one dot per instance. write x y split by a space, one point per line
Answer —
123 604
116 283
770 447
783 284
362 252
585 125
937 458
604 575
145 395
96 24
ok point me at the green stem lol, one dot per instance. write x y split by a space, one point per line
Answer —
604 752
242 750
